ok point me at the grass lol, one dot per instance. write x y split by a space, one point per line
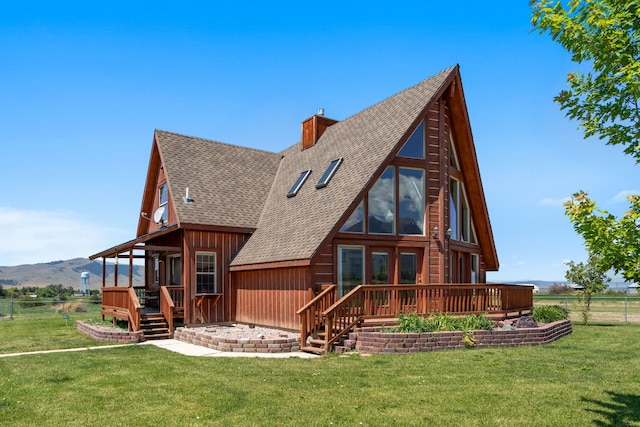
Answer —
41 328
591 377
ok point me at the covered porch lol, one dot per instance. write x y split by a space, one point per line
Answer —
154 307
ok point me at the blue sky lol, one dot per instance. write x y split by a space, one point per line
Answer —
83 86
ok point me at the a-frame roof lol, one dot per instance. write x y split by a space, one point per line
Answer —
229 184
294 228
243 188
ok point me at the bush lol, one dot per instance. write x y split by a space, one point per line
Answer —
70 307
549 313
412 323
560 290
31 303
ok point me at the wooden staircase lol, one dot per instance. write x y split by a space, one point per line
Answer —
154 326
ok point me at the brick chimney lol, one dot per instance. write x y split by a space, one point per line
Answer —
314 127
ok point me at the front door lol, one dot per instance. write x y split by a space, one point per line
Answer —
382 270
410 266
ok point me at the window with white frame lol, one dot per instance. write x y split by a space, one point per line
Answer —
163 201
206 282
459 213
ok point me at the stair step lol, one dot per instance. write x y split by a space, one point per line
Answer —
315 350
316 342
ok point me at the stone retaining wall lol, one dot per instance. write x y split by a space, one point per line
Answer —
371 340
246 345
108 335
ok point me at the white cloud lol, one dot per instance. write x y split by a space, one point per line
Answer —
34 236
554 202
621 197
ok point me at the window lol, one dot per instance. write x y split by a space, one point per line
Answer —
156 269
206 282
382 204
459 213
328 174
453 156
163 199
350 268
475 268
414 147
411 204
355 223
298 184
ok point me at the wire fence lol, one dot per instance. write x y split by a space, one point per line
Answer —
602 308
36 308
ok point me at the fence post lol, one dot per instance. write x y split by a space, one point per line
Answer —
11 310
625 309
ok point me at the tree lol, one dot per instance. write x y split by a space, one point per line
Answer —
592 278
613 242
604 34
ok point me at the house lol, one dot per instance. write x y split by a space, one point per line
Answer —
389 196
633 288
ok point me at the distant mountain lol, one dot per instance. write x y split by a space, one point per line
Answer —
67 273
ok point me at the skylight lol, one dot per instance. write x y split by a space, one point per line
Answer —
298 184
328 174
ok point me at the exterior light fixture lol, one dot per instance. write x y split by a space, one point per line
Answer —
449 232
436 230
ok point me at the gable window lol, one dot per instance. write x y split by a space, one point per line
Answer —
355 223
459 213
411 203
206 282
414 147
453 156
328 174
163 201
298 184
382 204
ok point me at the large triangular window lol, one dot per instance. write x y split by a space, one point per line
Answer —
414 147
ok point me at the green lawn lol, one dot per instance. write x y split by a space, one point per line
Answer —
591 377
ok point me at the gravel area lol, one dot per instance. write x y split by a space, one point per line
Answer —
239 331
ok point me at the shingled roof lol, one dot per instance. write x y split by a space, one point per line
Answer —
294 228
229 184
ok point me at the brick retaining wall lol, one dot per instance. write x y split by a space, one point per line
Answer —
246 345
371 340
108 335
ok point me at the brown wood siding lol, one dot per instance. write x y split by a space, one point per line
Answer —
225 246
323 268
436 191
271 297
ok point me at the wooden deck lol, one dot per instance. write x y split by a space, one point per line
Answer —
125 303
331 319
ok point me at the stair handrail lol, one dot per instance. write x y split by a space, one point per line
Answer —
343 316
311 318
166 306
134 310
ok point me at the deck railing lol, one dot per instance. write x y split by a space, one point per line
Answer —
311 318
366 302
122 303
166 306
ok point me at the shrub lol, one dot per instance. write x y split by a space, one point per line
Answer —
71 307
31 303
412 323
549 313
560 289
